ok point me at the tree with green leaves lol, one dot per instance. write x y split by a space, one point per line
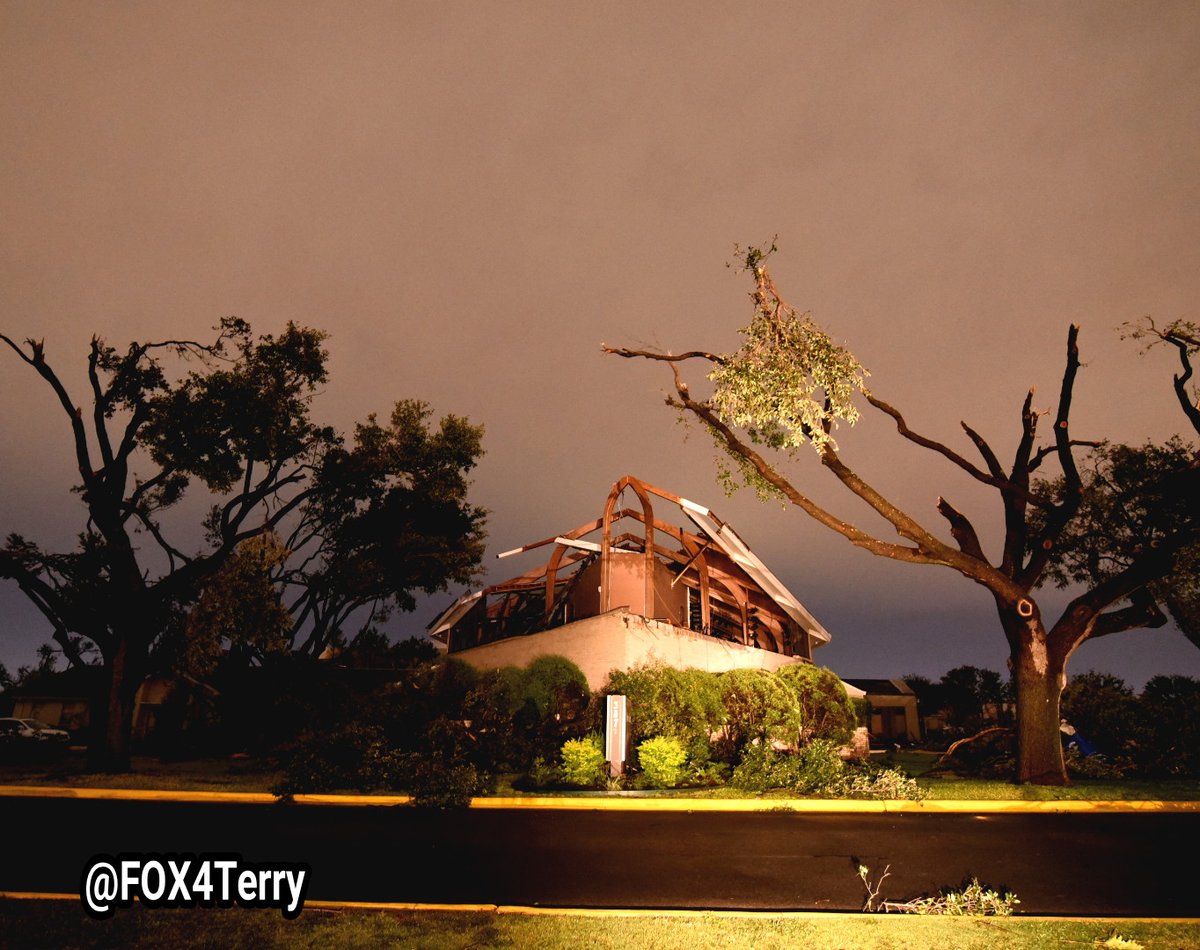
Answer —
965 691
790 385
232 418
1133 500
388 518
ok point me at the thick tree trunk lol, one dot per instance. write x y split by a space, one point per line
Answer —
1039 676
109 748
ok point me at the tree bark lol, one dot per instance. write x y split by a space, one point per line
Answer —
1040 676
110 747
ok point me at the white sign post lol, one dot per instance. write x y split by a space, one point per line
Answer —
614 735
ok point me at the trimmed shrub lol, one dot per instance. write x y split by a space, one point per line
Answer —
664 701
437 784
662 759
825 710
759 708
556 705
583 762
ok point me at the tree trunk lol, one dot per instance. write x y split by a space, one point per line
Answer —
109 748
1040 677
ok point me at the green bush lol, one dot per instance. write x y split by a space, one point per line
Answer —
662 759
763 768
815 770
583 762
542 774
556 706
664 701
437 784
825 710
493 706
353 756
1091 766
1105 712
1172 735
758 708
819 769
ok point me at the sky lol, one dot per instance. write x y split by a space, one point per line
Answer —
472 198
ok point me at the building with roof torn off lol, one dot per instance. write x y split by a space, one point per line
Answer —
630 588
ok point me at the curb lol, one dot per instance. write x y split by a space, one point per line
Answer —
598 803
513 909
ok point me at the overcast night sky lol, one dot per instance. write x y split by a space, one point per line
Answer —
471 198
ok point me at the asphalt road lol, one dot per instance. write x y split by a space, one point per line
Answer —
1069 864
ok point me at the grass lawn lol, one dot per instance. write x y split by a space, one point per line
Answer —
36 924
201 775
258 775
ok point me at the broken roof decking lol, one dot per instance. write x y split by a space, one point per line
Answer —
730 592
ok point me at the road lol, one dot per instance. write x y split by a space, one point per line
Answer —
1078 864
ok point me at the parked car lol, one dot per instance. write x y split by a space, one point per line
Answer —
31 740
32 730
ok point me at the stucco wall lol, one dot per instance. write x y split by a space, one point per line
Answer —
620 640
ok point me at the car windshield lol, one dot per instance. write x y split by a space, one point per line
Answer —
36 724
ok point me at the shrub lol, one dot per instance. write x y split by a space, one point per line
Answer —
492 706
662 759
758 708
353 756
1104 711
819 769
445 684
664 701
825 710
1091 766
542 774
437 784
583 762
1172 739
556 703
706 774
763 768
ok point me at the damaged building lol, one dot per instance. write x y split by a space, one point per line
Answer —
631 587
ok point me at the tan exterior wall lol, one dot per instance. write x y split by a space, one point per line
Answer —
69 714
621 640
898 706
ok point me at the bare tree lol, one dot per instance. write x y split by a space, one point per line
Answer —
789 385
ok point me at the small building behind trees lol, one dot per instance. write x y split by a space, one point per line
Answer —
630 588
892 708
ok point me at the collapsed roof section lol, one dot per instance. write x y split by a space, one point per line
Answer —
706 580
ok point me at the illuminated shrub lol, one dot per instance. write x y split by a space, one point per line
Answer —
662 759
583 762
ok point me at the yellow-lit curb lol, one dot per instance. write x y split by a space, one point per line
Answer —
622 803
645 912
